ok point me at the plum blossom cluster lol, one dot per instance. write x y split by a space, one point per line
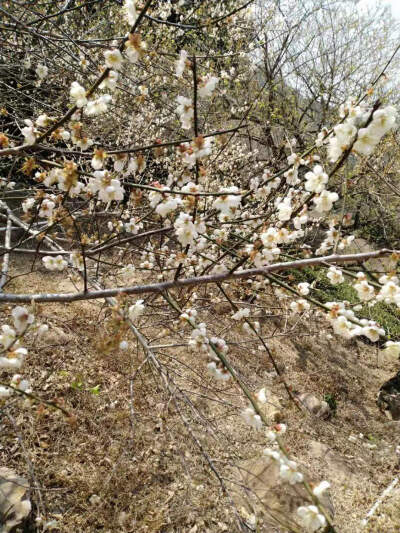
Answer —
250 416
310 517
45 207
207 86
185 229
185 111
334 238
198 149
135 47
228 203
108 188
55 263
214 347
346 324
181 63
358 132
12 354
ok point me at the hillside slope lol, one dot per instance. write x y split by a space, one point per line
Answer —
137 458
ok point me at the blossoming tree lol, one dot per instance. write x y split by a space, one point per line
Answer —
144 178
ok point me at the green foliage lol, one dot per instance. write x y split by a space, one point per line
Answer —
330 399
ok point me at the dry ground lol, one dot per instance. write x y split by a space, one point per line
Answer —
138 457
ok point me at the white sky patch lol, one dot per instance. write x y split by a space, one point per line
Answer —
394 4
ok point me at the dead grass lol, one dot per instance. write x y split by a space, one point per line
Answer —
130 463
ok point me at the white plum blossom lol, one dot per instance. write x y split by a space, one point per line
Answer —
120 162
321 488
300 306
365 292
266 256
189 314
29 132
7 337
316 180
181 63
321 138
275 455
135 47
390 293
291 176
28 204
199 339
185 111
98 106
383 121
334 149
136 310
219 344
227 204
156 197
113 192
52 262
284 210
207 86
19 383
133 226
108 188
303 288
113 59
311 518
128 270
261 395
277 431
372 331
14 359
130 11
367 139
98 159
110 82
46 208
78 94
217 371
392 349
252 418
22 319
202 146
343 327
41 71
288 472
185 229
271 237
335 275
295 159
345 133
136 164
168 206
325 200
42 121
346 241
241 313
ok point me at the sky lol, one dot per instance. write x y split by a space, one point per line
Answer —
395 5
